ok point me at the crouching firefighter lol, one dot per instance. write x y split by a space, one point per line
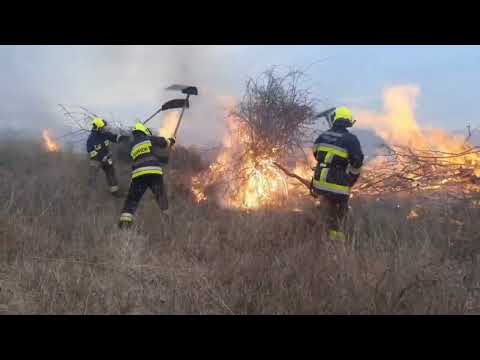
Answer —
99 149
340 158
147 172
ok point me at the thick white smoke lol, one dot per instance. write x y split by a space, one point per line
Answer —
124 81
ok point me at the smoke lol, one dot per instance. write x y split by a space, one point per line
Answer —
169 123
22 100
124 82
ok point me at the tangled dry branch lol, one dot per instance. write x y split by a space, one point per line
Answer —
79 118
405 169
276 112
268 125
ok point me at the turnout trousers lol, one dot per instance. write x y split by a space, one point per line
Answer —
138 187
109 171
335 211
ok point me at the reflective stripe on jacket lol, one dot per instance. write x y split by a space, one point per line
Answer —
144 160
99 143
340 159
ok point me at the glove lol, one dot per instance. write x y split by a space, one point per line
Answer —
172 141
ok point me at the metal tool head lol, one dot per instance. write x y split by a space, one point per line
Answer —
185 89
325 113
328 114
175 104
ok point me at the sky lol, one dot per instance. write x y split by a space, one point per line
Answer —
128 82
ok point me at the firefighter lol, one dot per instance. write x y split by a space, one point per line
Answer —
147 172
340 158
99 149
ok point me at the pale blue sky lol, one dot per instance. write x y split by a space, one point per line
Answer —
129 80
356 75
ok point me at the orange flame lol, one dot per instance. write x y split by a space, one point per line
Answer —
254 183
397 126
412 214
50 144
258 183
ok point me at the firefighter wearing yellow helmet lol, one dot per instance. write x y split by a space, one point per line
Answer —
99 151
339 160
147 172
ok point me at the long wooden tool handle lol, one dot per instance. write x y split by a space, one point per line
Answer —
152 116
180 118
293 175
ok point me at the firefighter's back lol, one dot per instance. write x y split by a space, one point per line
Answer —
340 157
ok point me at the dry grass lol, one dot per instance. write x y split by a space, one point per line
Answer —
61 252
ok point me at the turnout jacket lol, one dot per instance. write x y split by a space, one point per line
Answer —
145 160
98 145
340 158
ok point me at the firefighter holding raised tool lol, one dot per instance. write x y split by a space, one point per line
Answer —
99 149
147 172
340 158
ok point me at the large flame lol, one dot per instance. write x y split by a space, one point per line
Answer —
397 126
50 144
255 182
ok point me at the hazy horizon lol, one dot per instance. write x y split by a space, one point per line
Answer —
128 82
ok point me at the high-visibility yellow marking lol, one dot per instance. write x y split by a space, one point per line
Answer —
141 148
147 170
322 184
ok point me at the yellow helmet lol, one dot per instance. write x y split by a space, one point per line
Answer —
142 128
98 123
343 113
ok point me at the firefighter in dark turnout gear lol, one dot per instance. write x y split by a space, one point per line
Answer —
147 172
340 158
99 149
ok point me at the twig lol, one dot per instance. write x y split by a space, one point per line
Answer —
293 175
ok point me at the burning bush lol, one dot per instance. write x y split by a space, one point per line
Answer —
267 125
275 113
